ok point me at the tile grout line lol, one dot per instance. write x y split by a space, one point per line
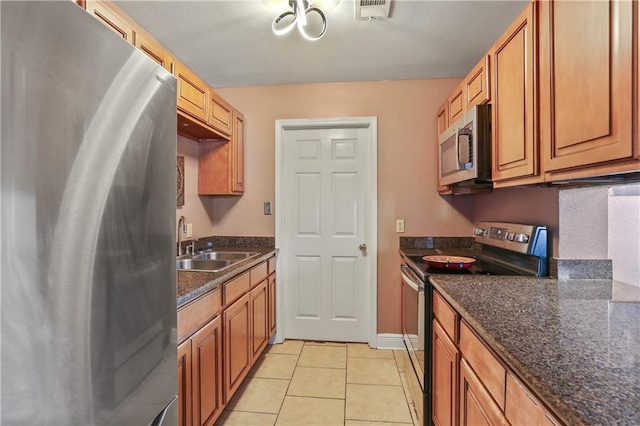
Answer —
289 385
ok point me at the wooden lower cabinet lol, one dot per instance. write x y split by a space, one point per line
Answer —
445 378
237 344
214 358
271 292
259 319
184 384
476 406
471 384
200 376
206 348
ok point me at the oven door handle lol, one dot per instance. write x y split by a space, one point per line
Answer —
410 278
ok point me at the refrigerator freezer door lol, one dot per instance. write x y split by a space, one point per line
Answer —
88 152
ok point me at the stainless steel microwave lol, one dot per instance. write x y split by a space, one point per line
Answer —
465 149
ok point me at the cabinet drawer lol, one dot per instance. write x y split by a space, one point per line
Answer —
236 288
484 364
258 273
446 316
522 407
271 265
197 313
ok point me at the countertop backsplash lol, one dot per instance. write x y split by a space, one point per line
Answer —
213 242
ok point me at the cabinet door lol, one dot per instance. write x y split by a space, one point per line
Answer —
154 50
515 151
443 118
259 319
457 103
476 85
272 304
237 350
445 378
586 64
193 94
442 122
476 406
184 384
206 346
220 114
110 19
237 155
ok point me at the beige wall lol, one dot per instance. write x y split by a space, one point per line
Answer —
406 159
196 210
406 171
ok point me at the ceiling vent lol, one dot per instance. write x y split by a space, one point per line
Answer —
372 9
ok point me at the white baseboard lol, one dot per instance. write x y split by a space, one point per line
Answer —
390 341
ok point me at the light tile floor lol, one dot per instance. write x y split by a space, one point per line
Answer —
322 383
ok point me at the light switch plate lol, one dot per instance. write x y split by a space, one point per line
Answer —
189 230
399 225
267 207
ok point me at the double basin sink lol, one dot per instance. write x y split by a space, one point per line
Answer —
213 261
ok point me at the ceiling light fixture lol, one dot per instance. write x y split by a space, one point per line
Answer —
297 16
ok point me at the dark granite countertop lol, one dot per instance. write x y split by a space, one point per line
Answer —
576 343
191 284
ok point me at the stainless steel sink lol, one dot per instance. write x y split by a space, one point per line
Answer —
225 255
204 264
213 261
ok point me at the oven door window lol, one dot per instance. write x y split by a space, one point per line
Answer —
413 311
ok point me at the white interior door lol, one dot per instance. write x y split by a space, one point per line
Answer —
327 207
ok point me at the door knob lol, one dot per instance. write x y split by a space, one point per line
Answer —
363 247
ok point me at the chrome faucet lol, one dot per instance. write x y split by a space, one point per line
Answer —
180 231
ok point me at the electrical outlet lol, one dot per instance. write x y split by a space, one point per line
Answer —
267 207
399 225
189 230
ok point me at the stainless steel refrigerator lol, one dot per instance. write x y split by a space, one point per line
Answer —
88 160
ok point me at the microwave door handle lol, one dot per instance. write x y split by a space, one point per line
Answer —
458 149
463 163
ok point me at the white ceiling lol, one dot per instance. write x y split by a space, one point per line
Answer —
230 43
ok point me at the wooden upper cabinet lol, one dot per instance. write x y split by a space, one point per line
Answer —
221 163
515 149
586 66
111 19
237 162
457 103
154 50
476 84
193 93
443 117
220 114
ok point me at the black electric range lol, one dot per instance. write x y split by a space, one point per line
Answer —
504 249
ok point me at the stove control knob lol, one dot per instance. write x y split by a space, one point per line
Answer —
479 231
522 238
509 236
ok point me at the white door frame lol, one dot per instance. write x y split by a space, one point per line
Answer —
371 124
